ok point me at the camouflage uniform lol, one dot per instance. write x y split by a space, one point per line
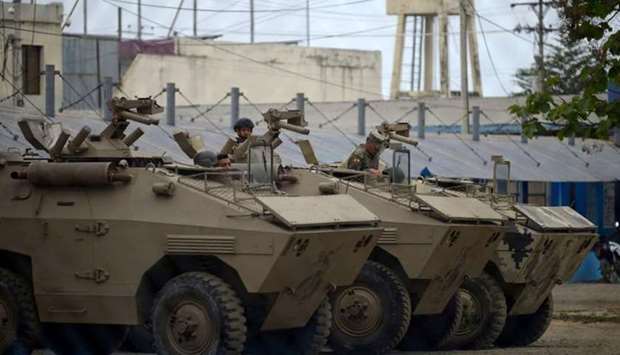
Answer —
361 160
231 146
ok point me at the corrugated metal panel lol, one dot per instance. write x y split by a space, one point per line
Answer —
80 67
450 156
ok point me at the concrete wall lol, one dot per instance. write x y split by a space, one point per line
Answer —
45 31
422 7
264 72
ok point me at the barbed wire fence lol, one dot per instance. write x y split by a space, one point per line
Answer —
327 118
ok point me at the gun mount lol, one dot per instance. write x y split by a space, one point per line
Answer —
398 132
110 143
276 121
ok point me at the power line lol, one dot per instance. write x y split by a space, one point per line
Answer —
541 30
16 89
242 11
488 50
272 66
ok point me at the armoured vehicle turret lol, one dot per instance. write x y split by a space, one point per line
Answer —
544 247
95 239
430 243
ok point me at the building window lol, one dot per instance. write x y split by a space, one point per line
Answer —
31 72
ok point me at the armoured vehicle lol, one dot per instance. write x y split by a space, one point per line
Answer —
95 240
511 304
430 244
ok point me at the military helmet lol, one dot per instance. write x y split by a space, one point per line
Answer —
244 123
206 158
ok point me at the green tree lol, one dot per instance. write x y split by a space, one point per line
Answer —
587 114
564 60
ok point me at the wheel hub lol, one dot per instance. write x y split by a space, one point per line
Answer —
190 329
358 311
472 313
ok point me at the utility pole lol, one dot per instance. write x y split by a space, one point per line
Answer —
85 17
120 23
120 39
251 21
308 23
139 19
195 18
539 7
464 69
414 45
174 20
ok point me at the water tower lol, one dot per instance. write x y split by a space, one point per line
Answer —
424 36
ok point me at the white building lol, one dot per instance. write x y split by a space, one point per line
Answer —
30 40
265 72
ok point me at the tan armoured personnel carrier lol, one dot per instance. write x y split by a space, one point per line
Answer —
94 240
512 304
430 244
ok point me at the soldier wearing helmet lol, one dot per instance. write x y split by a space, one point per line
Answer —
243 128
366 156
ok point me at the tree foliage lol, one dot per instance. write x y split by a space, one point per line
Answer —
563 60
587 114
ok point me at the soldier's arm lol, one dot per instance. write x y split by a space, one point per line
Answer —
229 147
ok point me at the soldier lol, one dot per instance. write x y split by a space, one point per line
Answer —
366 156
243 128
209 159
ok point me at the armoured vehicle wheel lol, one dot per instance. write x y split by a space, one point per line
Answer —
87 339
309 340
8 319
526 329
484 314
139 339
431 332
19 322
372 315
198 313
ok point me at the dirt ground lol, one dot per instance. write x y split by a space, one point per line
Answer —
586 321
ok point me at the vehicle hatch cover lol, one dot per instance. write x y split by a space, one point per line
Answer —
554 218
316 211
460 209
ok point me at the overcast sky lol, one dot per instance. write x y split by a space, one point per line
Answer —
508 51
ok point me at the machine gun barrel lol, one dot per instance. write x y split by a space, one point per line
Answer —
294 128
138 118
406 140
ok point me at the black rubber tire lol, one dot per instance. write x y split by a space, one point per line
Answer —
308 340
524 330
392 293
83 339
488 293
20 299
219 299
432 332
139 340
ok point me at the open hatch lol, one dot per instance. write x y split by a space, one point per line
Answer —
553 219
317 211
459 209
